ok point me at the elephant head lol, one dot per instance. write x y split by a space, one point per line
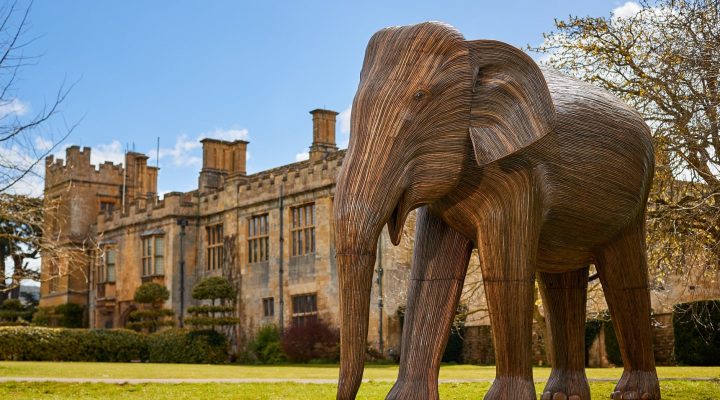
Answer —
429 106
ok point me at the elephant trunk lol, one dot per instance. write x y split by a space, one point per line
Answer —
355 272
357 229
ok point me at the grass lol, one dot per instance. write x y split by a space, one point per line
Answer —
220 391
324 371
682 390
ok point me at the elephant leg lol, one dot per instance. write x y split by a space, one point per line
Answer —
439 264
564 296
507 246
622 267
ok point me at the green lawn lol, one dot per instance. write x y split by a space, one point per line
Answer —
683 390
159 371
220 391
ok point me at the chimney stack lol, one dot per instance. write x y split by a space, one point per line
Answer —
221 159
323 134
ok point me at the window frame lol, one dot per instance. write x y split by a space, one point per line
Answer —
149 255
302 231
54 280
214 246
106 265
258 239
268 307
304 308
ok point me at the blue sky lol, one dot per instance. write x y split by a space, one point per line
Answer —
182 70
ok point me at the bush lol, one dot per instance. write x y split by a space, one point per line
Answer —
209 316
265 348
212 288
190 347
13 312
58 344
612 347
70 315
152 316
116 345
151 293
697 333
312 340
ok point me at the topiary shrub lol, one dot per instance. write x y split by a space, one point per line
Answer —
152 316
697 333
13 312
189 347
265 348
312 340
214 288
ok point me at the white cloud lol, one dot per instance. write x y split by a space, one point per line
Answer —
14 160
112 151
43 144
344 118
302 156
13 107
226 134
182 153
627 10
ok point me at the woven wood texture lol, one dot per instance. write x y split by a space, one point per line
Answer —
542 173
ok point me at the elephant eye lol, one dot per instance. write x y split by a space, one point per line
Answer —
420 95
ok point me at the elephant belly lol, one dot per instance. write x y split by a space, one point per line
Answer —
596 169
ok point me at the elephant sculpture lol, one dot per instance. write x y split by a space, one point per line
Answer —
542 173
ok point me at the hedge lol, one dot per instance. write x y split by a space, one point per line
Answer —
189 347
27 343
697 333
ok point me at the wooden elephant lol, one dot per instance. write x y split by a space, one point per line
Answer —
542 173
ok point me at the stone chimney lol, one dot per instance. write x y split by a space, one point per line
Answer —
221 159
323 134
140 179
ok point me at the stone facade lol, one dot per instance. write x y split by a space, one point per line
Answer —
271 233
124 236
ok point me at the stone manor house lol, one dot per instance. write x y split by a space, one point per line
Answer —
270 233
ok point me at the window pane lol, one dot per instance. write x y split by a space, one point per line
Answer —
312 234
159 265
300 242
159 246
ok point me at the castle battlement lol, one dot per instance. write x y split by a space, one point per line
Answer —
77 166
295 178
172 204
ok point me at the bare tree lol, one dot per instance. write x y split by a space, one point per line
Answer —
24 140
664 60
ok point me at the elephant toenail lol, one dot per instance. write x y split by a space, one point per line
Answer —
574 397
546 396
630 396
559 396
646 396
615 395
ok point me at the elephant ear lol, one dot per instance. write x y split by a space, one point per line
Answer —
511 104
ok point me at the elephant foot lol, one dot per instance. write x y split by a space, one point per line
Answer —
415 390
640 385
566 385
511 388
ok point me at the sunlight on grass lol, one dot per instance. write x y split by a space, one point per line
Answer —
671 390
195 371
